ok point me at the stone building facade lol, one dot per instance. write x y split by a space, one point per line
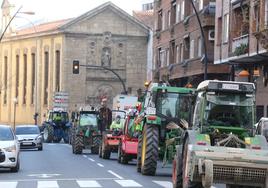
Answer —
37 62
241 41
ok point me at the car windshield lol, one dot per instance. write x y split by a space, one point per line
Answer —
229 110
63 116
6 134
173 105
88 119
27 130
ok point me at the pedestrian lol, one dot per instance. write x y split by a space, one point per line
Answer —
105 116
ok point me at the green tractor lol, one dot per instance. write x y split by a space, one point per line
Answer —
86 134
221 146
163 106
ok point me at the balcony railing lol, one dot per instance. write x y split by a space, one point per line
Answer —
240 45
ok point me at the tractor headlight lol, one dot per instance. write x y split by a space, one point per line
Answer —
11 149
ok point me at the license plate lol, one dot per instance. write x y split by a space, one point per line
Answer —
27 143
150 110
230 86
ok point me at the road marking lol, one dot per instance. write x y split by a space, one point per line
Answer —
43 175
58 179
165 184
116 175
91 159
8 184
88 183
128 183
100 165
47 184
85 156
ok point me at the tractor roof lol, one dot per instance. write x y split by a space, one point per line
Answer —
231 86
174 89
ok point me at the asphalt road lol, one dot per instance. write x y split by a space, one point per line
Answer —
57 167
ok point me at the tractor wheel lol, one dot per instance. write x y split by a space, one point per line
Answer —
105 151
122 157
48 134
67 135
177 171
207 178
139 154
149 150
100 151
95 144
186 182
77 144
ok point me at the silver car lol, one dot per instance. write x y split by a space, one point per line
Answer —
9 149
29 137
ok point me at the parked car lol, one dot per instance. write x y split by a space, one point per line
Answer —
9 149
29 137
262 127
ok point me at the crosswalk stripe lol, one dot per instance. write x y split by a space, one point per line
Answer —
165 184
47 184
88 184
8 184
128 183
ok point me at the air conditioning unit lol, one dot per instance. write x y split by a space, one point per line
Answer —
211 35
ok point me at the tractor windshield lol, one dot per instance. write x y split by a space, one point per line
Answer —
88 120
173 105
229 109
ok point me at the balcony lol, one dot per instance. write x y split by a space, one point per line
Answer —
240 45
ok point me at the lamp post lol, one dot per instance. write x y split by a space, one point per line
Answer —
203 40
15 101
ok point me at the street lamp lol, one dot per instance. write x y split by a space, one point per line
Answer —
15 101
203 40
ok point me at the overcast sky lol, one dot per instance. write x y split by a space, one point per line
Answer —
48 10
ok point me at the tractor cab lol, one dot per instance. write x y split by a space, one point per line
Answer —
225 108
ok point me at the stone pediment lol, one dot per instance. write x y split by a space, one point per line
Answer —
106 17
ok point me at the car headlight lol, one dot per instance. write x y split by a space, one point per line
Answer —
38 138
11 149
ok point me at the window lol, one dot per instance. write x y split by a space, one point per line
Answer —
172 52
163 21
201 4
182 10
219 34
162 58
24 78
259 112
177 54
178 13
57 71
192 49
181 52
226 28
5 79
46 68
199 53
17 75
173 13
33 79
160 20
167 57
169 18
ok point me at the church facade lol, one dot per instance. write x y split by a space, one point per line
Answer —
36 62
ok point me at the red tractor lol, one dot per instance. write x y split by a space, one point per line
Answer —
128 145
111 138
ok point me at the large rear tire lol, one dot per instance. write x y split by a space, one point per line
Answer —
77 144
149 150
139 154
48 134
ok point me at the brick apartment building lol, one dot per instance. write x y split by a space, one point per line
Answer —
241 40
177 45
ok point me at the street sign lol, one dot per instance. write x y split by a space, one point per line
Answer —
61 100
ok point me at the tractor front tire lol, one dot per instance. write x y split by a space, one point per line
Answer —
48 133
67 135
149 150
122 157
105 151
139 154
95 144
177 171
77 144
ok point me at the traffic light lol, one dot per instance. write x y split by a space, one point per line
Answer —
75 67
